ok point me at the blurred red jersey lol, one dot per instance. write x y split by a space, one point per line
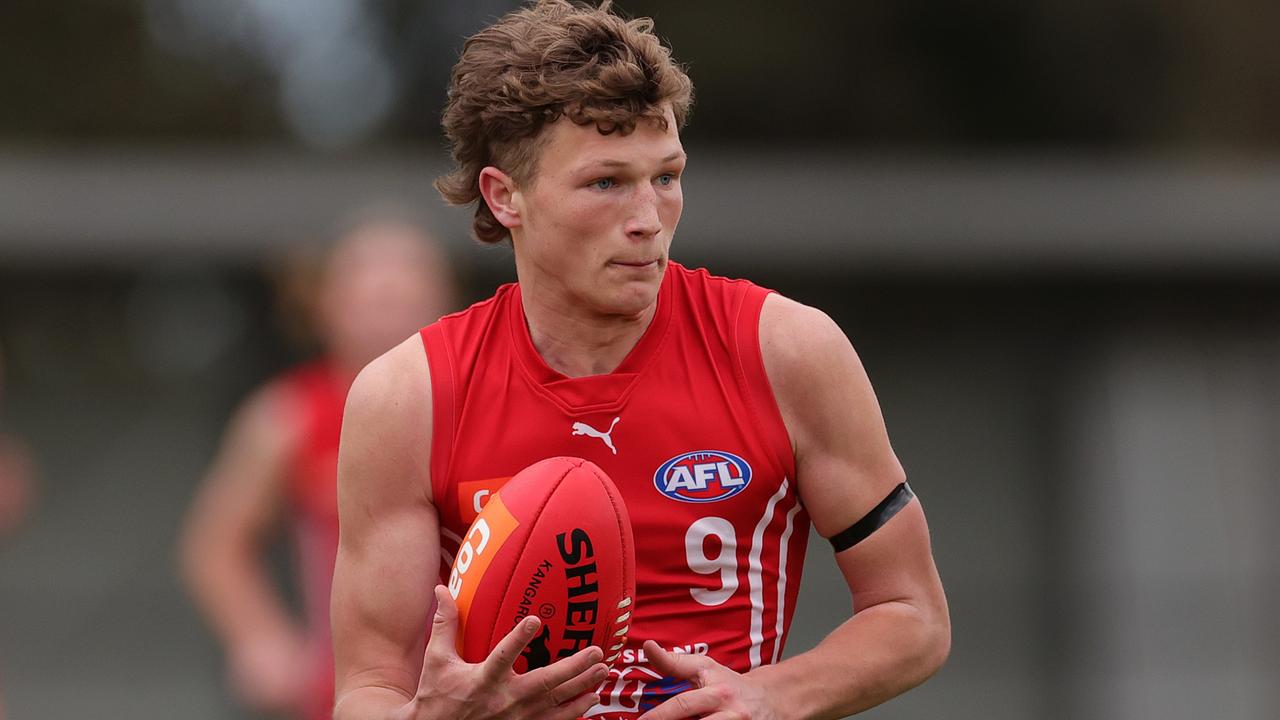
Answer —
688 429
316 394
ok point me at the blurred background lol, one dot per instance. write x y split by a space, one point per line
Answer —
1051 228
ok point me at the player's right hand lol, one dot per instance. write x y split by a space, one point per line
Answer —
452 688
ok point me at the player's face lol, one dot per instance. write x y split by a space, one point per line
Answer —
597 218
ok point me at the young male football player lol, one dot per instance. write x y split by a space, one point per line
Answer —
729 417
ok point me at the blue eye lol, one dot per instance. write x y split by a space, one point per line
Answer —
603 184
666 179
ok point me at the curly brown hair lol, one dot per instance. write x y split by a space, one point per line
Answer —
535 65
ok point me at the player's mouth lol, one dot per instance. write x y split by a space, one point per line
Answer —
637 264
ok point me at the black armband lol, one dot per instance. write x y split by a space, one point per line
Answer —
874 520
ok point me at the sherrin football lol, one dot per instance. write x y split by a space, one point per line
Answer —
554 542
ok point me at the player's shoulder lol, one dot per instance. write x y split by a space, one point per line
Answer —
386 429
393 388
795 331
799 343
784 320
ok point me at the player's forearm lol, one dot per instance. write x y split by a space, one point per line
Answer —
878 654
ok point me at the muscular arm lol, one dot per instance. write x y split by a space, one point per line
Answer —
388 553
222 549
385 581
900 633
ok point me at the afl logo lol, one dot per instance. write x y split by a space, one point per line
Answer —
703 476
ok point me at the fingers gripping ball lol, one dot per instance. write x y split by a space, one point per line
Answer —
554 542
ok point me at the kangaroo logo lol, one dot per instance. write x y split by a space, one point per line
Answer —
581 428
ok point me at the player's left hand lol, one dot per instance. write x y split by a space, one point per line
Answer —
719 693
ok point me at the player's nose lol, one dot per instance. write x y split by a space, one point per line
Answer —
644 221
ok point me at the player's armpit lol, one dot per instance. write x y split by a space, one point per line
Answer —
388 552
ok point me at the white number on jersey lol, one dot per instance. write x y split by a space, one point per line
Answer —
725 563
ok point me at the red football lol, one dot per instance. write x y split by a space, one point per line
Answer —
554 542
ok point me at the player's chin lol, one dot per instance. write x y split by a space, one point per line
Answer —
632 297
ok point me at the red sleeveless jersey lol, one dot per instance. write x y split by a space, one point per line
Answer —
315 395
688 429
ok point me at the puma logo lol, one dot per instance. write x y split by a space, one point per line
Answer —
581 428
536 653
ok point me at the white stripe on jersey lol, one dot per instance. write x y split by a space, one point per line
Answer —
754 571
782 580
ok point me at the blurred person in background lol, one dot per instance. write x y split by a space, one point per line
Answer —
16 482
16 472
382 278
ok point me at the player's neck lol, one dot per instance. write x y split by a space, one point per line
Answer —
576 343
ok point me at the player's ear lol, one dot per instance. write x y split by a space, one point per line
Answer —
500 194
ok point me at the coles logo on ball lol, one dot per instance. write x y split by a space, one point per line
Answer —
702 476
